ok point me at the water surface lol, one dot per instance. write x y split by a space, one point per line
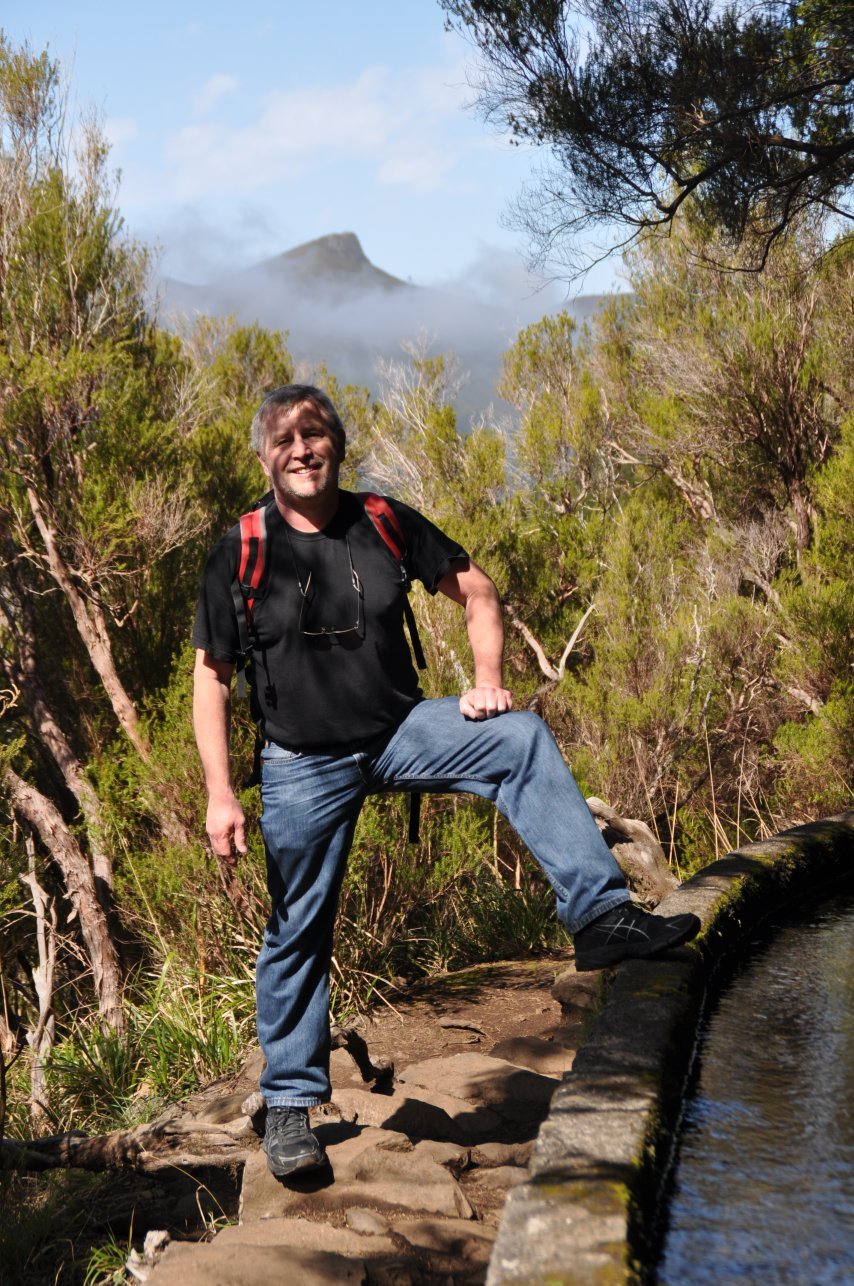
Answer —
764 1189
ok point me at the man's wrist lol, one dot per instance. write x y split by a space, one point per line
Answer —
221 794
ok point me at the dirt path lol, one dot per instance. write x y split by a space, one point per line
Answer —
420 1160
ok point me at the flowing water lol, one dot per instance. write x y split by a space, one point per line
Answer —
764 1190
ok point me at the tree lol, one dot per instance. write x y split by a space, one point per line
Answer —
91 490
747 109
728 383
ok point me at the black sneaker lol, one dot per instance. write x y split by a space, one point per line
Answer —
626 932
289 1143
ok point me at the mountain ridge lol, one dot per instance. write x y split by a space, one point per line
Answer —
340 309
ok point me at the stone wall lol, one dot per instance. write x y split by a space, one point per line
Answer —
590 1210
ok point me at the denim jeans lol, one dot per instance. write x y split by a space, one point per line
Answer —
310 806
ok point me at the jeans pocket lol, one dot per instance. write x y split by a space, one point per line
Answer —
272 752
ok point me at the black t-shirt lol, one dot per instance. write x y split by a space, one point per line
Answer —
315 691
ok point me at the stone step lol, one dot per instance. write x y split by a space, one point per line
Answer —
369 1176
512 1093
419 1111
536 1054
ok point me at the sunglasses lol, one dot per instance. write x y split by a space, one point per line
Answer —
307 596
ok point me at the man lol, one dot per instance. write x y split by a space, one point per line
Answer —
342 716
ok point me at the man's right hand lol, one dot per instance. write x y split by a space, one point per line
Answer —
225 824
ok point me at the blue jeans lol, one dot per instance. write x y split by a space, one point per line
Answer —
310 806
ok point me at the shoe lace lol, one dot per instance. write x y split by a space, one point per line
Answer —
287 1122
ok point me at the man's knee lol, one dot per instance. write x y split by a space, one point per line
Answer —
525 735
526 726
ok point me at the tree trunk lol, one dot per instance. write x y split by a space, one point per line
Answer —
146 1148
92 628
55 742
41 1037
79 881
803 514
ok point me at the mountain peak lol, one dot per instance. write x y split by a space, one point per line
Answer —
337 257
339 251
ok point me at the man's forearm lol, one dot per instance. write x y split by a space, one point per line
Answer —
486 636
211 717
211 708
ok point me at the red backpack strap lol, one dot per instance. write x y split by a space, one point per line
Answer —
250 571
386 522
388 527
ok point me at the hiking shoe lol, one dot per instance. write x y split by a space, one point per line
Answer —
626 932
289 1143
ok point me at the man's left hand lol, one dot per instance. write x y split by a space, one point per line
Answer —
485 702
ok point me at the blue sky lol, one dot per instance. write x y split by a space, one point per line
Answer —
241 131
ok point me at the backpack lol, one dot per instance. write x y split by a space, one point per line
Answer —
247 584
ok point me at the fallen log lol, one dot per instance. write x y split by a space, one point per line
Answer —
145 1148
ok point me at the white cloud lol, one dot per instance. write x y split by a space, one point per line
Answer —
423 171
120 130
212 91
388 120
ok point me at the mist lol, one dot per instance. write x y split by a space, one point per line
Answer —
338 308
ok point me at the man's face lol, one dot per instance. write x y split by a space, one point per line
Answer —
300 456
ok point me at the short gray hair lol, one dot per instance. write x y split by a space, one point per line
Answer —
281 399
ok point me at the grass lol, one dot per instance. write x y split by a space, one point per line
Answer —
106 1263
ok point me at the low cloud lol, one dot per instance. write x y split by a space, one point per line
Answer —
194 249
475 315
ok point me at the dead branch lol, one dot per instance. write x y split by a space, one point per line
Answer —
47 822
553 673
145 1148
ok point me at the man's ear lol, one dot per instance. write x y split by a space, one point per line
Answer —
263 463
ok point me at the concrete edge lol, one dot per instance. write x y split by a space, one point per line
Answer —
589 1211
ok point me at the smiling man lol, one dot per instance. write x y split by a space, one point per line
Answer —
336 697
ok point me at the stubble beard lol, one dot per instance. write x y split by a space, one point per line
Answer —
311 490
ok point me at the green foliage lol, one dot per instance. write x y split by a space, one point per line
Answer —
185 1029
650 108
670 531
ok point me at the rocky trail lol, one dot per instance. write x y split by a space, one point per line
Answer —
436 1104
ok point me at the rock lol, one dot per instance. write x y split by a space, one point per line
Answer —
253 1067
449 1236
453 1157
418 1111
344 1150
155 1242
254 1107
636 851
512 1092
342 1069
486 1155
366 1221
577 993
308 1234
500 1176
215 1264
538 1055
373 1177
380 1069
141 1267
